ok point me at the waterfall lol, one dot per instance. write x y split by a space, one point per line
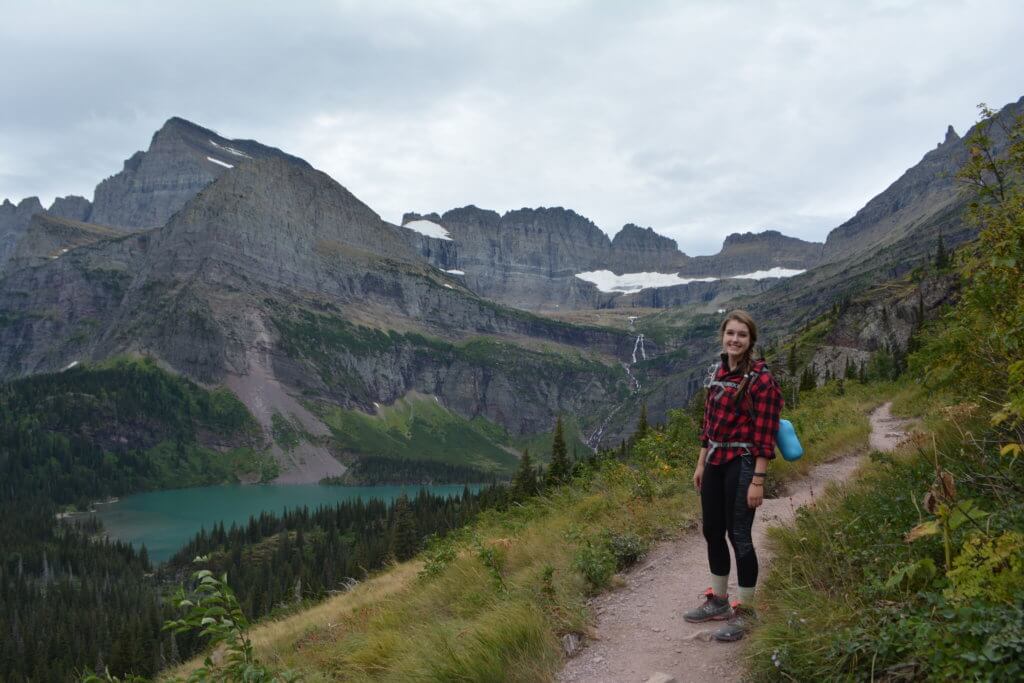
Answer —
634 386
639 344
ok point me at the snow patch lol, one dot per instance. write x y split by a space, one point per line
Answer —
71 364
428 228
456 272
764 274
628 283
230 150
448 286
219 162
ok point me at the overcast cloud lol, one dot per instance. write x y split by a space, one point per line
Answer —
695 118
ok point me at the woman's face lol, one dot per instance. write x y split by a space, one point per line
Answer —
735 339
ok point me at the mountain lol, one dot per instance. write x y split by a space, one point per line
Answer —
278 283
917 198
182 159
530 258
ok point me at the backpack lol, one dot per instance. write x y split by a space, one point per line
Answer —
786 439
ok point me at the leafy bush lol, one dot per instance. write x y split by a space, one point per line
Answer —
596 563
627 548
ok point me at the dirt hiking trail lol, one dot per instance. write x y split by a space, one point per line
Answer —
640 634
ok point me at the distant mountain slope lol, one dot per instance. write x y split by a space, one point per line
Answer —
920 196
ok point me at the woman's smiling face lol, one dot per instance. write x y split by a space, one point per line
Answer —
735 340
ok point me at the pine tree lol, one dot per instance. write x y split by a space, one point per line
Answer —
641 424
524 484
404 541
941 255
791 362
558 470
808 380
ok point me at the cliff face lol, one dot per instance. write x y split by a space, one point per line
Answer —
751 252
529 258
14 221
182 159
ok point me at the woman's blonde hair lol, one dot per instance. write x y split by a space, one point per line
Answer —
747 362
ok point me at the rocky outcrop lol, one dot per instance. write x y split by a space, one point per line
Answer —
182 159
14 221
72 207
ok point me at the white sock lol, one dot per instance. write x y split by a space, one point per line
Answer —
720 585
747 596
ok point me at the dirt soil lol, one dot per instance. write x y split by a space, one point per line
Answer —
640 631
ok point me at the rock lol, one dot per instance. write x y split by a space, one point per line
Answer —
571 644
659 677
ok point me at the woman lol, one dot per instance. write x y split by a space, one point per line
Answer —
741 416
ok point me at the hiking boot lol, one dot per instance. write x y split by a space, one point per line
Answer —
714 607
741 621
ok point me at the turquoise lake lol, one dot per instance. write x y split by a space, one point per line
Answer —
165 520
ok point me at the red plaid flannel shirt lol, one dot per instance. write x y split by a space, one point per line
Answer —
755 420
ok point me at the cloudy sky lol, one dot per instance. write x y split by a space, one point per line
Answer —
696 118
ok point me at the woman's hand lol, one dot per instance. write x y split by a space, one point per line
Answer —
698 475
755 495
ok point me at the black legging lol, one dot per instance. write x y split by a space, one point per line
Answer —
723 500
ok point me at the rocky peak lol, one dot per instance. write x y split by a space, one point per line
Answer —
71 207
637 249
634 234
14 222
182 159
470 215
951 136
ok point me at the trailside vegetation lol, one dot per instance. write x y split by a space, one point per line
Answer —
916 572
498 598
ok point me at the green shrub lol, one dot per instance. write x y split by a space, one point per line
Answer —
627 548
596 563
